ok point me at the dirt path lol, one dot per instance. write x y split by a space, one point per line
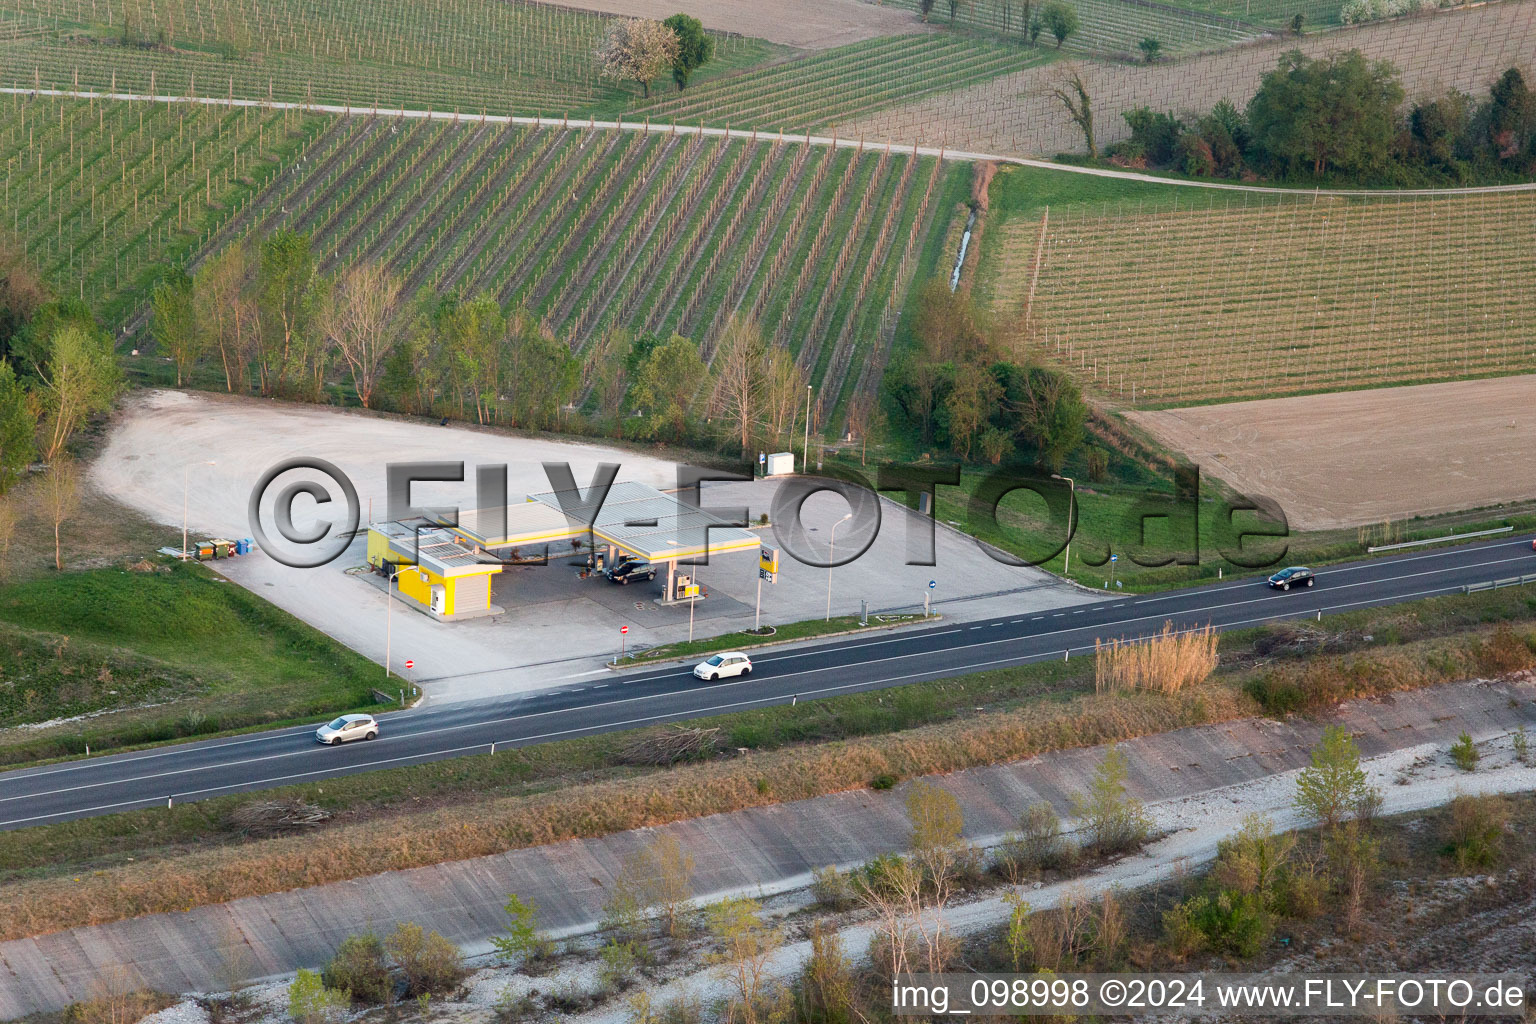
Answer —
807 24
1358 458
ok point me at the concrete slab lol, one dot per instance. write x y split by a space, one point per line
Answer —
555 628
766 849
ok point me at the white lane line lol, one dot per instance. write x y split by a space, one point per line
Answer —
697 712
1267 598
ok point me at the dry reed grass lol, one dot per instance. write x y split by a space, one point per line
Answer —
1165 662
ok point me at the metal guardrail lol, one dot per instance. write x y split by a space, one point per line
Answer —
1512 581
1437 540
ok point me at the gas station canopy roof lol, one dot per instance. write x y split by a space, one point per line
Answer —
653 524
635 517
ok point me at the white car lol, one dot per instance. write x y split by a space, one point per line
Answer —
719 666
347 728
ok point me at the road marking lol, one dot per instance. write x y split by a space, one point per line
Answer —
1267 598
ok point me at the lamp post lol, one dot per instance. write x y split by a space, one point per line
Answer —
185 482
389 622
832 557
805 454
1066 561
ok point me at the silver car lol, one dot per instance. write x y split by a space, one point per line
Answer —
347 728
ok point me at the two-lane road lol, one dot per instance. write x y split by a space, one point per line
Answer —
192 771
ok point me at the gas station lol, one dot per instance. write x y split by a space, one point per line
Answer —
445 565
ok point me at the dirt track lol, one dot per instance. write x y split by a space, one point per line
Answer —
807 24
1356 458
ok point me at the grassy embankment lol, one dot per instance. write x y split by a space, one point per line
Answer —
200 853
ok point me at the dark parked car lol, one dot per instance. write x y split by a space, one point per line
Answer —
632 570
1295 576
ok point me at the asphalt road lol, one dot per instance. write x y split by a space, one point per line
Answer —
193 771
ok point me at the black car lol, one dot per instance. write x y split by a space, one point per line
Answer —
632 570
1295 576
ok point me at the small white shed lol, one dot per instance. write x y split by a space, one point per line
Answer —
780 464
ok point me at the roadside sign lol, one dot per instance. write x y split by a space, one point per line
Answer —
623 629
932 584
1114 558
410 664
764 574
768 560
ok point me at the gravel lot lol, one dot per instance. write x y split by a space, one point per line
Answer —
1357 458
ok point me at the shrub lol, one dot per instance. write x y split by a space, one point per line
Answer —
1182 936
1275 693
882 781
1334 783
1465 753
310 1002
883 874
429 962
1113 820
1234 923
1474 830
831 888
1038 845
521 937
361 968
1096 462
1520 744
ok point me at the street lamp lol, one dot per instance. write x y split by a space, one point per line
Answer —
1066 561
185 476
832 557
389 604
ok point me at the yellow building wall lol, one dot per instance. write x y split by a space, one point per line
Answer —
413 587
378 549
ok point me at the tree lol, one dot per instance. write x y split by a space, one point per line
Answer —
739 378
954 9
1061 19
1334 782
286 296
1336 112
18 428
948 325
694 47
659 876
473 334
224 308
1150 49
925 8
667 380
1113 820
173 324
61 499
1046 409
8 520
310 1002
22 292
541 373
362 323
79 380
1511 114
826 980
1073 95
637 50
1033 27
747 943
972 397
521 937
783 393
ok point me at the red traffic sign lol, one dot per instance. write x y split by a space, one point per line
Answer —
410 664
623 629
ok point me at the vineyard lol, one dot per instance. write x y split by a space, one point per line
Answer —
660 232
1116 26
466 55
107 194
1165 305
823 89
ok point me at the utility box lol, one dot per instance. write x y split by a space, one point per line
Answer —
780 464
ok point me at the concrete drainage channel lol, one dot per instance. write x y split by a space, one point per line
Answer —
764 850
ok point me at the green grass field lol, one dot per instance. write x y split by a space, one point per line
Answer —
176 651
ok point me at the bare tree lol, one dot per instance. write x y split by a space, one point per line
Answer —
783 392
61 498
637 50
362 323
747 943
739 377
226 310
659 877
1073 95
